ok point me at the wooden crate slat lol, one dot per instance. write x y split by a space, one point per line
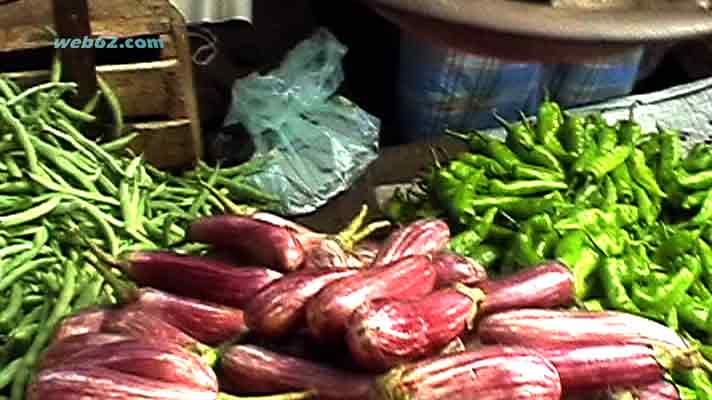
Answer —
22 23
144 89
166 144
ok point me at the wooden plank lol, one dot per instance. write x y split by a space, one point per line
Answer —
166 144
144 89
185 82
22 24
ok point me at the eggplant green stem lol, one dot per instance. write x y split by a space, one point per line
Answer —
355 225
283 396
369 230
476 295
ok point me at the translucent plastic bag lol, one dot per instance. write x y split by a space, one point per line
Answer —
323 142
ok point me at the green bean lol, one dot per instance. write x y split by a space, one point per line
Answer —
18 272
103 224
92 103
39 88
62 160
51 281
12 166
98 197
22 137
56 71
16 187
57 178
30 214
61 308
24 332
100 153
121 143
107 185
73 113
13 308
243 190
14 249
9 372
89 293
114 106
71 141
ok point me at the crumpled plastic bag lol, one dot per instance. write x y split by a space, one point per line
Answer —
323 142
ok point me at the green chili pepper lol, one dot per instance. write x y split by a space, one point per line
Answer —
590 152
630 132
486 254
679 243
521 188
549 121
673 292
610 276
699 158
670 153
624 183
694 199
500 152
540 223
541 156
594 305
460 205
461 170
648 212
446 185
608 161
522 171
610 192
545 243
643 175
569 249
490 166
693 313
704 251
698 181
585 195
480 203
524 251
466 242
574 135
699 290
625 214
696 379
607 139
704 215
650 147
527 207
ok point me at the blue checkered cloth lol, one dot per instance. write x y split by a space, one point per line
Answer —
442 88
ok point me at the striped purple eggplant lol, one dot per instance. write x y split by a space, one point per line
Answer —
81 323
367 251
63 348
488 373
253 370
328 312
280 307
546 285
264 243
198 277
422 237
209 323
453 268
90 382
385 333
161 361
555 328
592 368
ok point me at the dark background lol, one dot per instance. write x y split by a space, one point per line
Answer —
370 65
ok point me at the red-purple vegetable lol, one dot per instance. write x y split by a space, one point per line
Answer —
573 328
421 237
209 323
253 370
661 390
61 349
329 311
386 333
266 244
489 373
198 277
454 268
546 285
280 307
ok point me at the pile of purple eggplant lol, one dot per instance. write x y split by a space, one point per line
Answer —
280 310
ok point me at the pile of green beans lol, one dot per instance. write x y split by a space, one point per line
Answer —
629 212
53 181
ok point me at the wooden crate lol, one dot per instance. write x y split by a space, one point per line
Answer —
155 87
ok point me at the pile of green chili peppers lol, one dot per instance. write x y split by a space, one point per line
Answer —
53 181
628 212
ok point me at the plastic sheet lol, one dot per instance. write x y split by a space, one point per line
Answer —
323 141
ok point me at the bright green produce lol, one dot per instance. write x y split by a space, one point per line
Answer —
627 211
52 178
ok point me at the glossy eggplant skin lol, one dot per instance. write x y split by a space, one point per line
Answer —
199 277
329 311
265 243
422 237
453 268
552 328
164 362
543 286
280 307
592 368
254 370
81 323
90 382
661 390
207 322
488 373
63 348
386 333
367 251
